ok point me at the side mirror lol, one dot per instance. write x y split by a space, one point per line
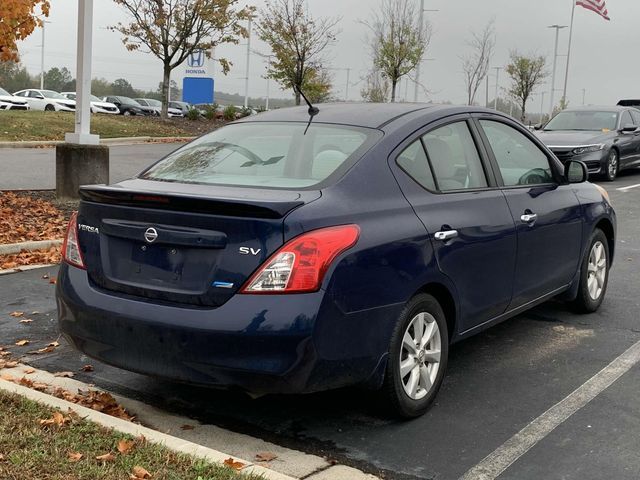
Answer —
576 171
629 128
39 97
537 126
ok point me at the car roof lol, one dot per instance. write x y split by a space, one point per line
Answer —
597 108
373 115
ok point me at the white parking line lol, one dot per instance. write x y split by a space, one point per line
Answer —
501 458
624 189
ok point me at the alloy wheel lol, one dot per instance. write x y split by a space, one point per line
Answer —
597 270
612 165
420 355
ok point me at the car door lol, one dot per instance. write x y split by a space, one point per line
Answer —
635 116
545 210
467 219
627 142
37 99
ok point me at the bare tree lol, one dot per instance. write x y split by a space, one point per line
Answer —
174 29
297 41
398 40
526 74
476 65
376 89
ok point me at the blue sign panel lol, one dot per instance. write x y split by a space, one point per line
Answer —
197 90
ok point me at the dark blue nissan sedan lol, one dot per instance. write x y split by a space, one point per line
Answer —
292 253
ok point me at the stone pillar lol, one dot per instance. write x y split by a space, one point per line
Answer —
78 165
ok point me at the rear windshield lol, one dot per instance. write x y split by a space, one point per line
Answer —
265 154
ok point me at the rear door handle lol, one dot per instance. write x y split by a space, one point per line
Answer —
445 235
529 218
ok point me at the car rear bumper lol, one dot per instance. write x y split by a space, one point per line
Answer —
259 343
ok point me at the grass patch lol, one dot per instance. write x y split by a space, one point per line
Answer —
31 450
37 125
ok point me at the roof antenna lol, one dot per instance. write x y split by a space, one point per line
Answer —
313 111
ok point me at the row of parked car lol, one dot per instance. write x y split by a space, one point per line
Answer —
49 100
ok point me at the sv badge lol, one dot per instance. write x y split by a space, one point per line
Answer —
249 251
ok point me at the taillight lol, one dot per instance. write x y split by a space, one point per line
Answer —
71 248
300 265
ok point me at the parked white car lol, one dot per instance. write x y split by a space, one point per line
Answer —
47 100
157 106
97 105
9 102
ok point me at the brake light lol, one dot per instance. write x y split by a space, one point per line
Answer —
299 265
71 248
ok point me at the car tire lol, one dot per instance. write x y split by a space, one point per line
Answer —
50 108
594 274
414 373
612 166
126 113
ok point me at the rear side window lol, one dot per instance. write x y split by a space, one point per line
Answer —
279 155
636 117
413 160
520 161
454 158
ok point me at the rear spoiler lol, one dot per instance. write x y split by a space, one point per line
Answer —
237 207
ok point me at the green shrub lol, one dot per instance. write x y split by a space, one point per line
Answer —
229 112
193 114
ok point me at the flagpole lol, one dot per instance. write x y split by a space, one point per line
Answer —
566 75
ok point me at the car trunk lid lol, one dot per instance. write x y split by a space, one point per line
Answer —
180 243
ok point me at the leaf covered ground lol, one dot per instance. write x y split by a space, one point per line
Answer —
37 442
25 218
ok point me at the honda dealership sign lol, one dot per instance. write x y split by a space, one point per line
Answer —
197 84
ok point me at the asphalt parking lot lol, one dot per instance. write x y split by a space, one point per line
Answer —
35 168
498 382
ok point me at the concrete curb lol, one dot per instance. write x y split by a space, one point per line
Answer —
11 248
173 443
25 268
103 141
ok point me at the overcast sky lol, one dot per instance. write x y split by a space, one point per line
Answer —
603 61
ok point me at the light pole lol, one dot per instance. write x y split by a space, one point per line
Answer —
542 107
246 80
421 20
42 57
555 61
268 57
584 93
495 100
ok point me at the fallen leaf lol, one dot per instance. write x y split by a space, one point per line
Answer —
11 364
43 350
57 419
87 368
35 312
16 314
4 354
22 343
187 427
74 456
139 472
29 371
7 377
53 280
124 446
1 457
265 456
45 276
230 462
107 457
63 374
26 320
53 344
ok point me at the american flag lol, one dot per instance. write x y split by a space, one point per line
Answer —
597 6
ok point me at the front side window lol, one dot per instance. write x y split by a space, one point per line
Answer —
626 119
636 117
520 161
279 155
454 158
